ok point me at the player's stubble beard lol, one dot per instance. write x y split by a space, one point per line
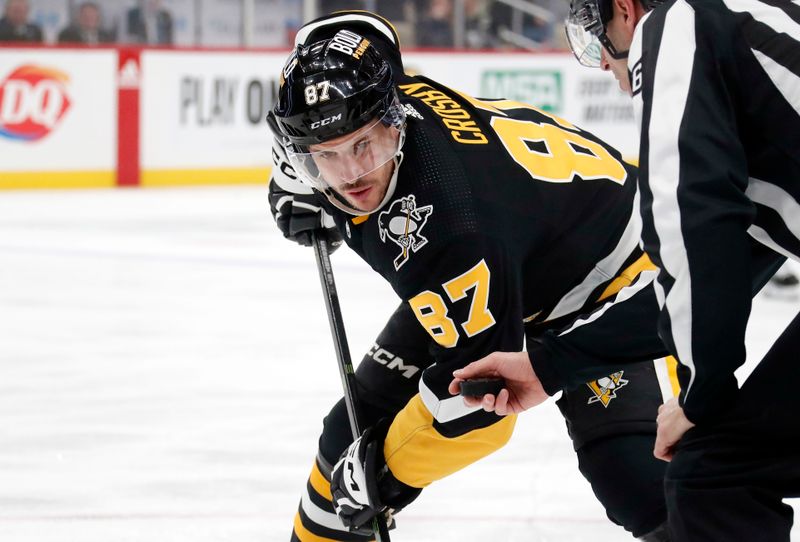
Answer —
378 180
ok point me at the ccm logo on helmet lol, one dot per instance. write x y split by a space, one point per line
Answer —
349 43
325 122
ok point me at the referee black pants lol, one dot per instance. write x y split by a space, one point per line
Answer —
727 481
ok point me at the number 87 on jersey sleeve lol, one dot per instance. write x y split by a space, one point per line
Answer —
431 309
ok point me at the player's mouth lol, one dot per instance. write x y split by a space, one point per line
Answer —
359 194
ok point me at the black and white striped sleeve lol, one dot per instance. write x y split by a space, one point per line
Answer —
695 212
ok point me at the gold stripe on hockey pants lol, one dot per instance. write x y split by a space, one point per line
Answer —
417 454
320 484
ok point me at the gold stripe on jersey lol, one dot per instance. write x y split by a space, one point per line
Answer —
359 219
463 128
304 535
500 105
320 484
417 454
627 276
672 371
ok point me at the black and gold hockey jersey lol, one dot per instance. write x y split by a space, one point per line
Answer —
503 215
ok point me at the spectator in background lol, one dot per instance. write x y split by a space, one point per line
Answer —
476 14
329 6
14 25
149 23
435 27
86 28
533 28
393 10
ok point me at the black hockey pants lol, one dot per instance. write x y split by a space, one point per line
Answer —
727 481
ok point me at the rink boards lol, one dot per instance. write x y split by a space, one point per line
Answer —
165 117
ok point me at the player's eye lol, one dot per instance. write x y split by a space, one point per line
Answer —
361 147
326 155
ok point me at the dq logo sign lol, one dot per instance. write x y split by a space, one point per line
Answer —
32 102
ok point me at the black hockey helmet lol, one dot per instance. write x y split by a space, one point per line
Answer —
339 94
331 88
586 29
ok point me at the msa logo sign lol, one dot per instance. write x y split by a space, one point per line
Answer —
33 100
541 88
325 122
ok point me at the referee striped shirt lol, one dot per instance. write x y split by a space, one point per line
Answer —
716 87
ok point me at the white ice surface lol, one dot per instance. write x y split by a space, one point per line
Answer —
165 363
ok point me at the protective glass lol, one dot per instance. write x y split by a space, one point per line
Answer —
354 155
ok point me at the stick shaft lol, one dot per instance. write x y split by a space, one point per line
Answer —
345 363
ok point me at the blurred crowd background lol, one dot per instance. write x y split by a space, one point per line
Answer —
461 24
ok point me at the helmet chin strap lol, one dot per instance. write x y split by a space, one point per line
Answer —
340 203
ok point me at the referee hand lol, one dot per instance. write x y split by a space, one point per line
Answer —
672 424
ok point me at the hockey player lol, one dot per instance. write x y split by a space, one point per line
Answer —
494 222
716 89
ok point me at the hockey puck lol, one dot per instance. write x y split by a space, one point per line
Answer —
479 387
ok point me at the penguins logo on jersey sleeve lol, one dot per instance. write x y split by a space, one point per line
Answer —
402 223
605 389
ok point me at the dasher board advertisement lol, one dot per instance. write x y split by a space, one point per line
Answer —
588 98
206 111
58 113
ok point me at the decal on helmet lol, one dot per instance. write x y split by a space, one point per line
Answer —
288 67
326 121
317 92
349 43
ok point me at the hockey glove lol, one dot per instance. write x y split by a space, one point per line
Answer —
295 206
299 215
362 485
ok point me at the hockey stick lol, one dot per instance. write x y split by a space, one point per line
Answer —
342 354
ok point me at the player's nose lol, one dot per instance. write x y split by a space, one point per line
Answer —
348 170
605 65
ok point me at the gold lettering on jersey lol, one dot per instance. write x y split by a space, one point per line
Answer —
498 107
457 119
